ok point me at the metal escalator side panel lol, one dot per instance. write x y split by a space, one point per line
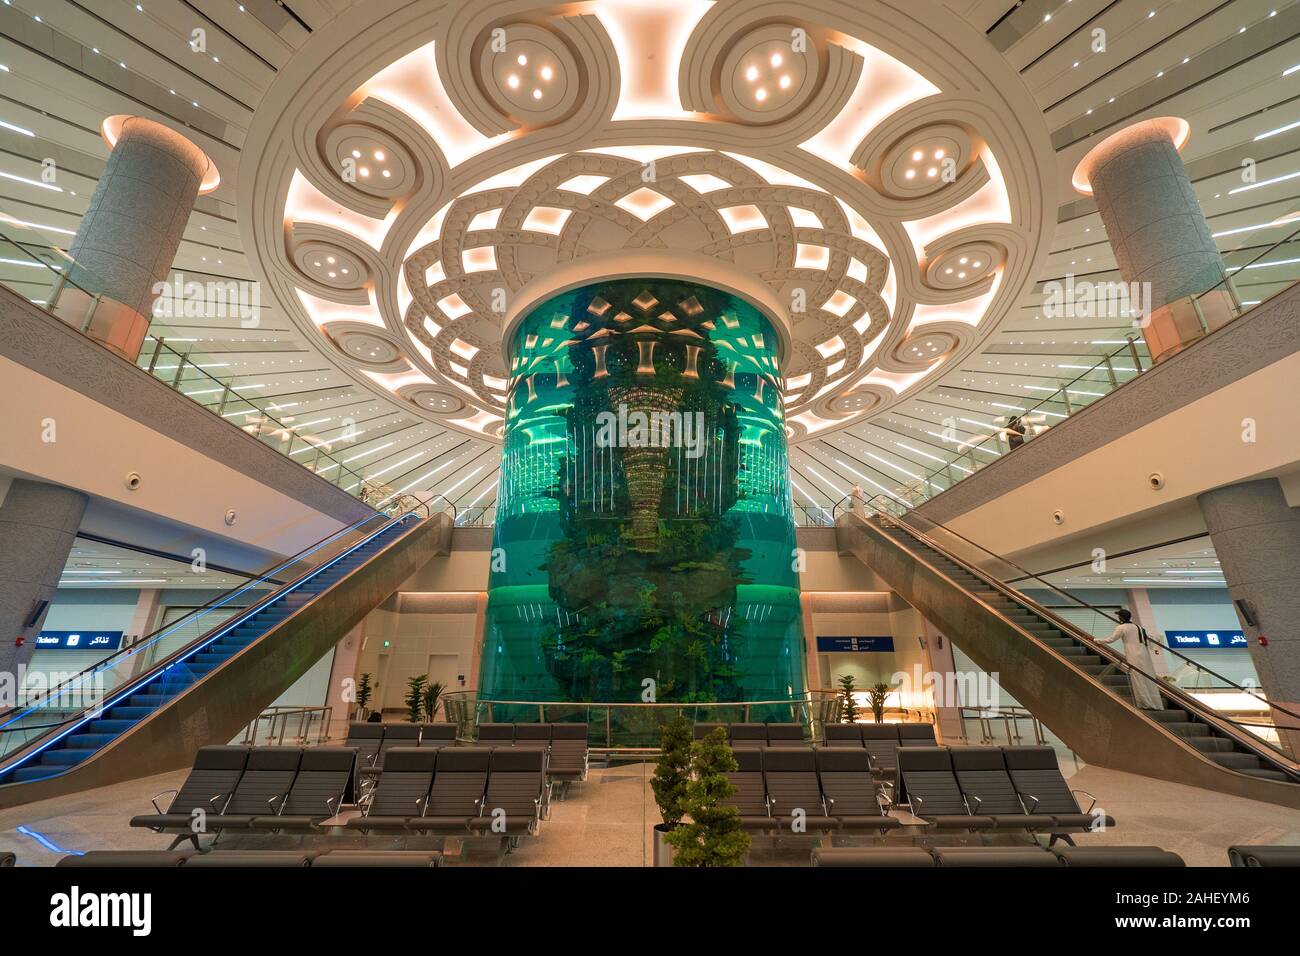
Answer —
1098 725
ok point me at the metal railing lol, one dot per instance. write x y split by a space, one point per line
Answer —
983 562
1007 718
271 727
90 691
635 727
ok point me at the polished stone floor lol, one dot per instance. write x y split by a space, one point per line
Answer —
606 821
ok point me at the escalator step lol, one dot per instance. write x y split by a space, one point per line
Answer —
1237 761
122 712
1266 774
1174 715
1188 729
89 741
64 756
147 700
1218 747
109 727
32 772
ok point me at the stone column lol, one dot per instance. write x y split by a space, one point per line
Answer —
38 523
1158 232
341 695
1256 536
128 238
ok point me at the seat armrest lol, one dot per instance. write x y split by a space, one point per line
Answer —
1032 806
967 798
154 799
1089 796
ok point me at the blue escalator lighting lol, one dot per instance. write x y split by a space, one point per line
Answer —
149 678
46 842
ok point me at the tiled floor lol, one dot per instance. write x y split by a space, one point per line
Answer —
606 821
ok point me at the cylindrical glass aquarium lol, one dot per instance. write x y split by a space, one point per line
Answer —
644 546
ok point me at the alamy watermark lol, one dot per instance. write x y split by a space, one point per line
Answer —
624 429
215 299
1087 300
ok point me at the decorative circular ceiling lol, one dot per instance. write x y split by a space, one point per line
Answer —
885 191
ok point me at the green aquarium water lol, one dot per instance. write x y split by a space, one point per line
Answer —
644 547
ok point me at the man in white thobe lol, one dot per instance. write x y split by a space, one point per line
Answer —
1145 692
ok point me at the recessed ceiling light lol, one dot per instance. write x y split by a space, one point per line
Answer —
512 81
522 60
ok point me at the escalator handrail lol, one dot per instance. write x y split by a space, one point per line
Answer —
23 753
1080 601
1250 741
217 601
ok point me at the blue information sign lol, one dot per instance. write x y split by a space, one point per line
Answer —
1205 640
855 645
79 640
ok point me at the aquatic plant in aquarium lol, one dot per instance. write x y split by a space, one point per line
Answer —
644 547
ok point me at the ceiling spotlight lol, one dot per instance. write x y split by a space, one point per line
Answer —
387 174
512 81
938 154
365 170
356 154
330 260
932 172
379 155
917 156
522 60
910 174
785 82
537 94
962 260
776 59
760 94
751 74
547 72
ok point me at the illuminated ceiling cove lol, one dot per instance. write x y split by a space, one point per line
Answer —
410 186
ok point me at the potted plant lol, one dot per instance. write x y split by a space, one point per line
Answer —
671 777
432 696
713 836
876 697
364 690
415 697
848 700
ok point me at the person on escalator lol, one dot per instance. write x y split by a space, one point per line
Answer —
1145 693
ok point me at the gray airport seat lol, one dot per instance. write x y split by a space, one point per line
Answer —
376 858
843 735
457 793
747 735
249 858
262 790
703 730
996 856
127 858
496 735
437 735
792 785
402 792
1113 856
852 794
324 779
535 736
982 776
881 742
786 735
876 856
569 754
515 789
915 735
1037 778
211 782
365 738
1242 855
750 797
927 778
396 735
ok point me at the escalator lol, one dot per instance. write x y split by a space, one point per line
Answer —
1076 686
143 717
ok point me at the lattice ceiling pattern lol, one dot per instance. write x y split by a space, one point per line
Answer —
420 100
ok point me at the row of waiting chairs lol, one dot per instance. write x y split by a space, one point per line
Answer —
565 745
822 789
880 741
498 790
373 741
257 788
993 788
996 856
317 859
756 734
